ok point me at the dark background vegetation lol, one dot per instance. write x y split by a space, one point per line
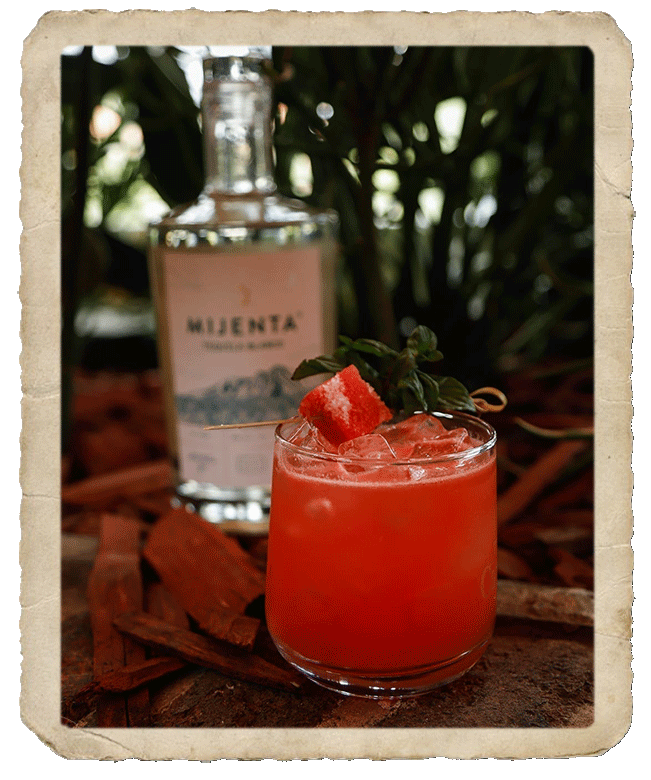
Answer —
483 232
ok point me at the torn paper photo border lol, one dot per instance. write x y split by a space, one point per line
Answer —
40 362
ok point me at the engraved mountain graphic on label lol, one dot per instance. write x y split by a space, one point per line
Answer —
269 395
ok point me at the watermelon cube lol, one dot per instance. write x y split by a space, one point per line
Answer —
344 407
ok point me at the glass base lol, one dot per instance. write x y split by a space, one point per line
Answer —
384 685
244 511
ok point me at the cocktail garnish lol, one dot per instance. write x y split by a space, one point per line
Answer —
344 407
374 382
404 380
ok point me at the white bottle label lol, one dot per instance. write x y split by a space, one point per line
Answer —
239 323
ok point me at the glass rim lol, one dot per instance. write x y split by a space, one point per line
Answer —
449 457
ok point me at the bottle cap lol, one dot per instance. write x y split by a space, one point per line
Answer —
235 68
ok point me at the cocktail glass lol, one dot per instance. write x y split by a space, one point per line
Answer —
381 573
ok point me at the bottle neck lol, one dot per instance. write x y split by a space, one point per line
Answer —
236 118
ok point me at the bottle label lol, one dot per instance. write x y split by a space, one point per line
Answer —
239 322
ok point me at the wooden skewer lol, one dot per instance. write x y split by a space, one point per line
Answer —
480 404
224 426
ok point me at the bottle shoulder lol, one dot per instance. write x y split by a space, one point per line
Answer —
254 210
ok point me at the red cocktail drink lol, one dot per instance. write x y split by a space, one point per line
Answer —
381 576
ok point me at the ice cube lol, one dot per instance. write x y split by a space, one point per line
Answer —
300 433
403 436
370 447
456 440
310 438
419 426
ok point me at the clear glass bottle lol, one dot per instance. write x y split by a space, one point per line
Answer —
244 289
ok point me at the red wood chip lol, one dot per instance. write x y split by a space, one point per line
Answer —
208 573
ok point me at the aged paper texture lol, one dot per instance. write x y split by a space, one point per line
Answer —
40 296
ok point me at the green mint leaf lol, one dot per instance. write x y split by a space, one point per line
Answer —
430 389
423 342
453 395
431 356
403 380
412 394
405 362
372 347
325 364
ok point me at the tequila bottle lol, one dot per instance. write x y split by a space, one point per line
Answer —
243 283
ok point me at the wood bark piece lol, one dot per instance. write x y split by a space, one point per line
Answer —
161 604
114 446
536 478
579 490
146 478
574 606
512 566
572 570
197 649
115 586
568 525
209 574
131 677
558 420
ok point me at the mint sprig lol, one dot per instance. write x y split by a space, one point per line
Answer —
403 379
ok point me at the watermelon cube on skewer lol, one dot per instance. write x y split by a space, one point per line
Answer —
344 407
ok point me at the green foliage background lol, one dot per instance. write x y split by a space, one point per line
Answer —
485 237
